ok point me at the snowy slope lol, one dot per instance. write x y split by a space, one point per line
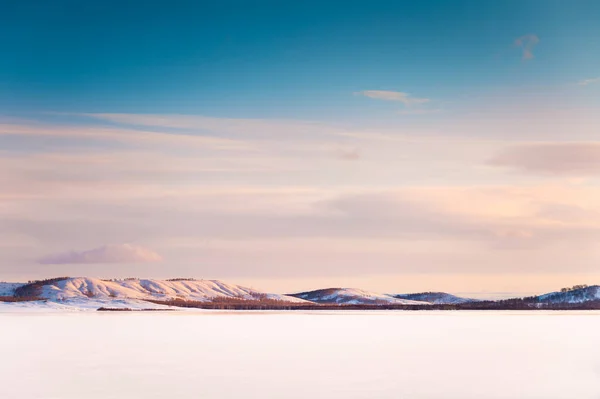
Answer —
352 296
84 293
196 290
437 298
8 289
591 293
79 305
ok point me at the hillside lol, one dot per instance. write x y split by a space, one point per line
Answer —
352 296
92 293
576 295
196 290
438 298
8 289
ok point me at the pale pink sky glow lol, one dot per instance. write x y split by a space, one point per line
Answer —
492 199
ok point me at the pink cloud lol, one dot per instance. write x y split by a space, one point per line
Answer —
120 253
527 43
405 98
570 159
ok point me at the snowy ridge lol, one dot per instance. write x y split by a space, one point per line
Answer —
352 296
194 290
85 293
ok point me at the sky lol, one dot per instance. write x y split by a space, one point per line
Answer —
389 145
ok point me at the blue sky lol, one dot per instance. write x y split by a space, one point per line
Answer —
390 145
281 59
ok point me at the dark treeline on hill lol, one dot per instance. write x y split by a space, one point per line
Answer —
258 302
19 298
137 278
574 288
107 309
531 303
33 287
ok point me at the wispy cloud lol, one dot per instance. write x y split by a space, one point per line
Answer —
587 82
239 127
419 111
123 135
121 253
399 96
565 159
527 43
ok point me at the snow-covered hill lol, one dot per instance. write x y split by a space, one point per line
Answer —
93 293
585 294
437 298
352 296
84 293
196 290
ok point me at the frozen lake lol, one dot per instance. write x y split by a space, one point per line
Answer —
273 355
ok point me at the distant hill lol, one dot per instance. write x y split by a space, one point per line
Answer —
85 293
438 298
572 295
352 296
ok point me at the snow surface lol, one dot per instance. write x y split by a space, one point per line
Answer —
300 355
79 305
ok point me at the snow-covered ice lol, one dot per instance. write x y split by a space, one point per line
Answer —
299 355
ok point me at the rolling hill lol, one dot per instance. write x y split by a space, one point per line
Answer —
352 296
438 298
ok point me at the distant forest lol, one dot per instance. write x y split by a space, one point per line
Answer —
531 303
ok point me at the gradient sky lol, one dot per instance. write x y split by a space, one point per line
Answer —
390 145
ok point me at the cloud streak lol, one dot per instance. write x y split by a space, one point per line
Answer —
127 136
239 127
121 253
419 111
398 96
564 159
587 82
